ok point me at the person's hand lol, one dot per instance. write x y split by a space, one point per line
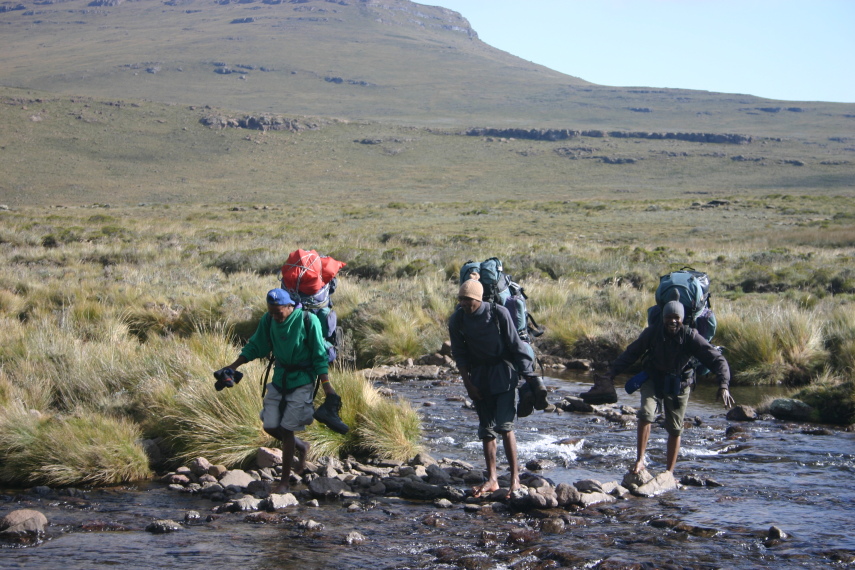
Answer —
471 389
726 398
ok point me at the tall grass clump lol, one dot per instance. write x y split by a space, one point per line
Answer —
67 450
832 396
840 339
223 427
405 319
391 430
771 344
379 427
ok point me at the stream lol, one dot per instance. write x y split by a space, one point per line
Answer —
791 476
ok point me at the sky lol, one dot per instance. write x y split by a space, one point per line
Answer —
790 50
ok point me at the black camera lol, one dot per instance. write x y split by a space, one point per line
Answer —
226 378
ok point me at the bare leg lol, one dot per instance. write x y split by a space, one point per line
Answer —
642 435
509 439
673 450
289 444
492 483
302 451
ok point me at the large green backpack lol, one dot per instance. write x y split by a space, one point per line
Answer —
501 289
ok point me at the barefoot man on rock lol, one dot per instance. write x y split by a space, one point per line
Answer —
298 345
491 358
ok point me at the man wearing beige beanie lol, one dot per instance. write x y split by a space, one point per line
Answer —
491 357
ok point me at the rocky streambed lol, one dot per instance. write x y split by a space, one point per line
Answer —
750 494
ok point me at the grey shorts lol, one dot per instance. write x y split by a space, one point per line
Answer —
496 414
299 408
675 407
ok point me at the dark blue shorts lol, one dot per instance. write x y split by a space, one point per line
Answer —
496 414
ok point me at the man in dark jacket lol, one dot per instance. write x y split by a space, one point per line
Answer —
491 357
669 348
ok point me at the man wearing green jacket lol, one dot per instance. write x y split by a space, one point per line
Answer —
296 340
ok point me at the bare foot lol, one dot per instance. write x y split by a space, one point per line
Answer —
281 488
515 486
485 489
638 467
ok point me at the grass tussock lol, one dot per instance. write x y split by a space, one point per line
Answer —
69 450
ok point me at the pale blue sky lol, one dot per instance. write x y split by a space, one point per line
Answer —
793 50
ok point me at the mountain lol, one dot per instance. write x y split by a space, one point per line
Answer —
362 101
379 60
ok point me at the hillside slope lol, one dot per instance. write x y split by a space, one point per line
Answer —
384 60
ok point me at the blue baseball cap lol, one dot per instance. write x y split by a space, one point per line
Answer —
279 297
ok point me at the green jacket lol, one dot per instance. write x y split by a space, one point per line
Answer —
300 351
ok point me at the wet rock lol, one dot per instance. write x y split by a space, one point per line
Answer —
694 480
523 536
434 521
217 471
443 504
243 504
567 494
259 488
742 413
23 522
775 533
327 487
308 524
103 526
176 479
199 466
162 526
615 489
354 537
236 478
420 491
574 404
817 431
595 498
41 490
553 525
192 516
268 457
664 523
701 531
264 518
735 431
589 486
790 410
437 475
540 464
279 501
644 484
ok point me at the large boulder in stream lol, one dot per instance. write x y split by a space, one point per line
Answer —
644 484
791 410
23 522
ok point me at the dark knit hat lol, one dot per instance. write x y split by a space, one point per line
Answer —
674 307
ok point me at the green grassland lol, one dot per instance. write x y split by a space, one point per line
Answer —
79 150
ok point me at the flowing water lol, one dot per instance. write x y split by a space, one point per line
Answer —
776 473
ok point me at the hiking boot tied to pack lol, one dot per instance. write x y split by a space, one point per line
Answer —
602 392
532 396
328 414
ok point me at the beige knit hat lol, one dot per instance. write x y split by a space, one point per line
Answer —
471 289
